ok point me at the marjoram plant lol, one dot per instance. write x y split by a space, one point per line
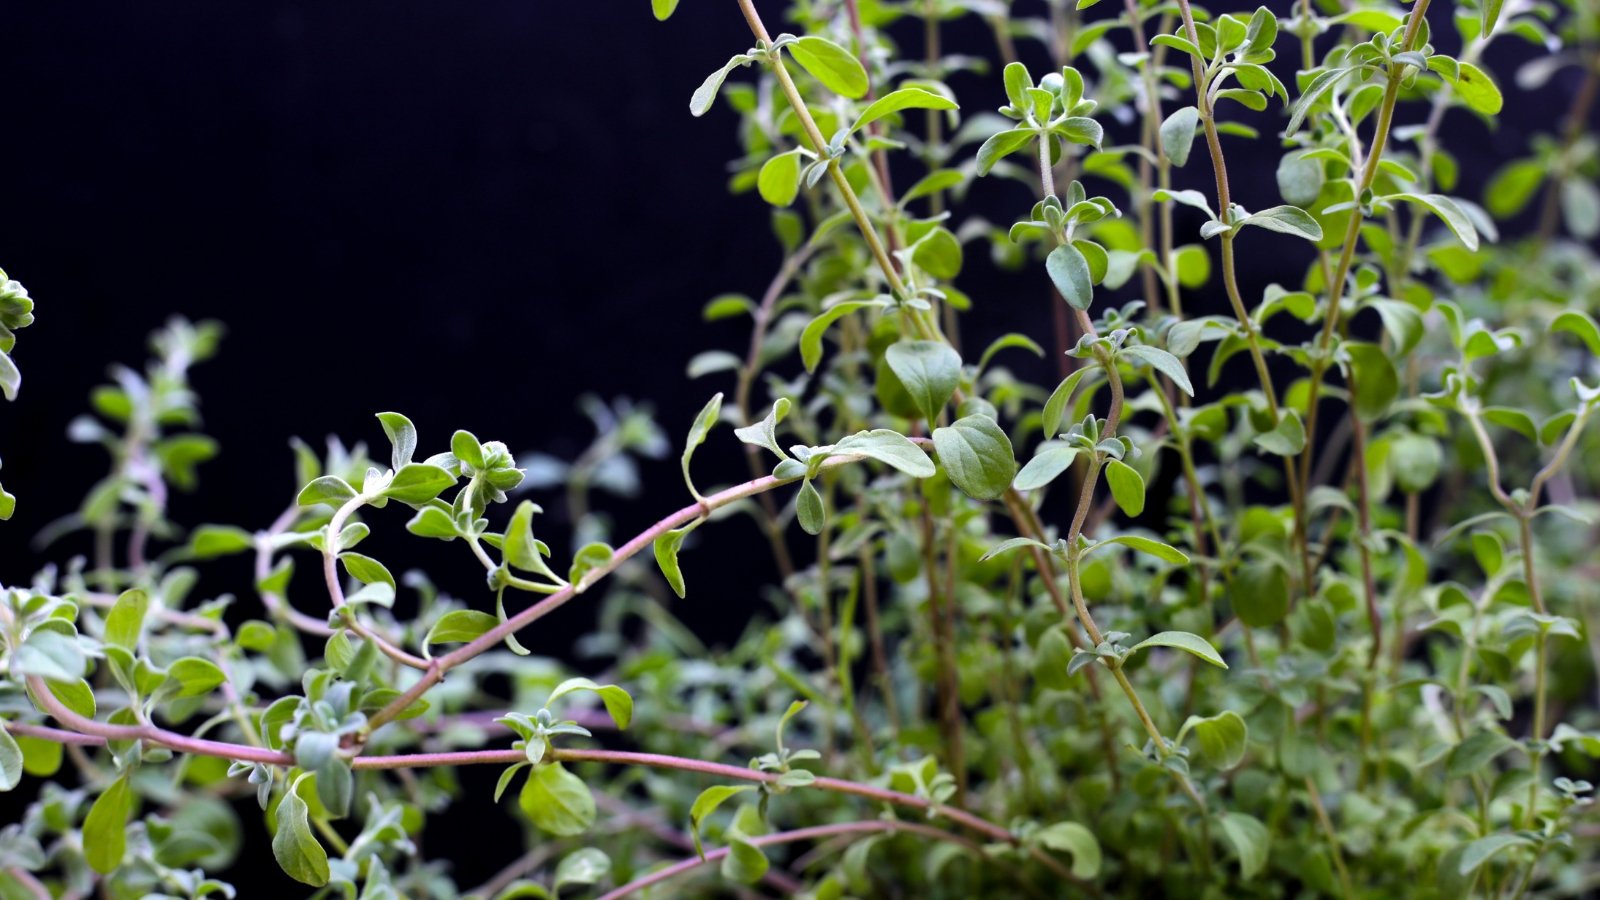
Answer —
1298 598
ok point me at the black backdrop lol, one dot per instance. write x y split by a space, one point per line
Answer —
470 213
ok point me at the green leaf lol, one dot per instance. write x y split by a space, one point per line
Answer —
1009 340
1010 544
1473 755
1161 361
663 10
591 557
1448 211
212 541
895 101
1127 486
700 102
1288 438
1070 837
194 676
1376 383
1070 272
1000 146
402 438
1477 90
1223 738
329 489
1049 461
459 626
811 337
977 456
365 569
1509 191
707 803
1177 134
585 866
939 254
105 830
1250 840
809 509
293 846
703 423
519 548
837 68
929 370
1163 552
1055 407
1479 851
1053 655
765 432
1578 322
557 801
417 483
745 863
1286 220
48 654
1183 640
618 703
465 447
11 761
779 179
433 522
666 550
1259 591
890 448
126 619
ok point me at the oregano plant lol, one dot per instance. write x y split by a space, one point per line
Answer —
1206 588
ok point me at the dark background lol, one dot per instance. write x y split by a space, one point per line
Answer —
467 212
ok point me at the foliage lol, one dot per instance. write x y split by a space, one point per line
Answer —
1326 633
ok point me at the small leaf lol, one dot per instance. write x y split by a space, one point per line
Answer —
126 619
1049 461
837 68
662 9
778 182
11 761
417 483
557 801
1161 361
1479 851
811 337
810 510
745 863
293 846
519 548
1183 640
585 866
890 448
706 804
1375 382
1127 486
666 550
212 541
894 101
1150 546
977 456
105 831
700 102
1070 272
1177 134
618 702
703 423
1250 840
402 438
1000 146
1070 837
1010 544
329 489
1448 211
1286 220
1288 438
194 677
1223 738
460 626
929 370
